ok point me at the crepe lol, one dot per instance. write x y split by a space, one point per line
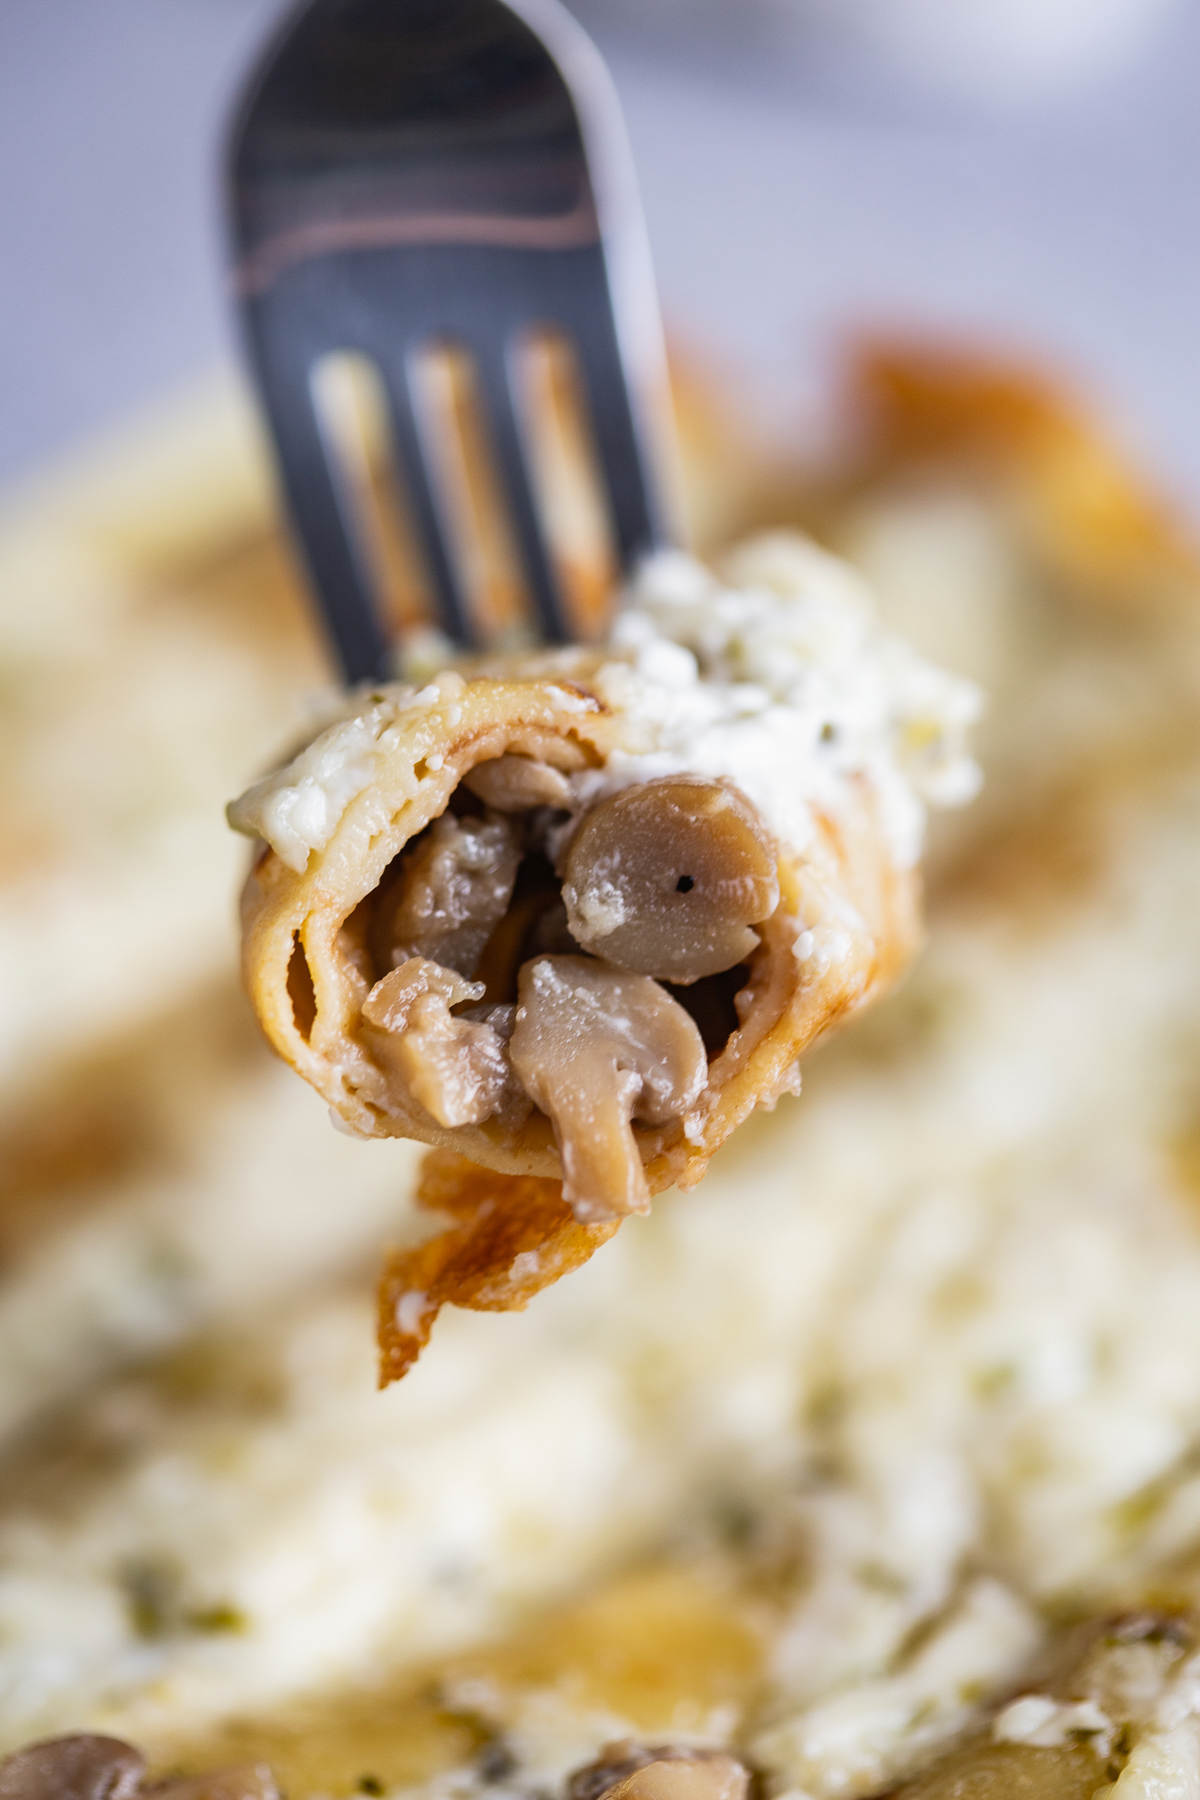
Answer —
574 915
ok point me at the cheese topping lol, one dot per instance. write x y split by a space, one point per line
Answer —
298 809
771 673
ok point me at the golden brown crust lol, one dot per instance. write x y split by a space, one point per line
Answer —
1089 511
513 1235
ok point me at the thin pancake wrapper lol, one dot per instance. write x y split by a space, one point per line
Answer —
574 916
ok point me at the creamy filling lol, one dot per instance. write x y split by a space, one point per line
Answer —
588 966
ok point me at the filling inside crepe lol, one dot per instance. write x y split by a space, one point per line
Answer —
570 916
591 968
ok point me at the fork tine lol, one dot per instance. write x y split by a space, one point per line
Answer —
497 392
410 451
322 517
626 467
451 171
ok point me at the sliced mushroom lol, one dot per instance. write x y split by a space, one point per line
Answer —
87 1767
711 1777
450 891
982 1770
513 784
535 924
456 1068
1072 1732
669 878
665 1773
81 1767
596 1048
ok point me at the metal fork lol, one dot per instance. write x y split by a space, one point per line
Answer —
408 173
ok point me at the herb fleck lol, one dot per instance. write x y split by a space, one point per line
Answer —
219 1618
151 1596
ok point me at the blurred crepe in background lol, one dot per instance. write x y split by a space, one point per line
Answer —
941 1316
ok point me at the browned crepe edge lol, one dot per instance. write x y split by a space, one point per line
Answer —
498 1220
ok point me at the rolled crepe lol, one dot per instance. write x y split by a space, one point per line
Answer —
572 916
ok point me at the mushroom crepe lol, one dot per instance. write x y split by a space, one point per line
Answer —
571 916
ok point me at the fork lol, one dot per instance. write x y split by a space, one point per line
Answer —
407 174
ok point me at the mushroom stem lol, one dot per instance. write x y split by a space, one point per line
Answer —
596 1048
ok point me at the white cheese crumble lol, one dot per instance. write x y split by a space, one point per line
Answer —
411 1311
298 808
1050 1724
301 814
771 672
599 907
863 1735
